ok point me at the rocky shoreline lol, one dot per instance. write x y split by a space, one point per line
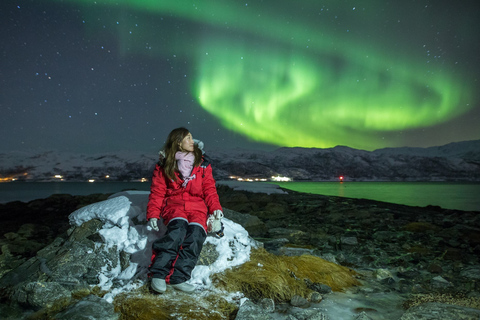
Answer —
425 256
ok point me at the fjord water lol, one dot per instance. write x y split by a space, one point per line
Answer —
27 191
448 195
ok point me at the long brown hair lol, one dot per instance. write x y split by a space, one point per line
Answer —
172 146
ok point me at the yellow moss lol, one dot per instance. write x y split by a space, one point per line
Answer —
456 299
321 271
282 277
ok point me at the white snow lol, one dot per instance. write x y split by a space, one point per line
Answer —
124 218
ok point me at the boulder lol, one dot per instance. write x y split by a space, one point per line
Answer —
40 294
251 223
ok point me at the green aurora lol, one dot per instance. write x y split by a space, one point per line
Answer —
274 76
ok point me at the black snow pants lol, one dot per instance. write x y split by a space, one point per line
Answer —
177 252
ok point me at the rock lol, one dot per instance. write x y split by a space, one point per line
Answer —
308 314
472 273
300 302
362 316
382 274
268 305
11 313
41 294
384 235
250 311
316 297
90 307
435 267
349 241
254 226
435 311
275 244
62 266
8 261
293 235
440 283
318 287
295 251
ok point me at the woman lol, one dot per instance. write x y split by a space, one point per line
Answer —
183 194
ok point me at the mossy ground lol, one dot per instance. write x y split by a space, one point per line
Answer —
281 277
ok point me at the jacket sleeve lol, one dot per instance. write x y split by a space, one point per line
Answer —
210 191
157 193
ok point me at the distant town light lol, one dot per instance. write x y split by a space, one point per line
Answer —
58 176
91 180
278 178
143 180
107 176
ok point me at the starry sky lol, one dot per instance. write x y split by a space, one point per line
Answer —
117 75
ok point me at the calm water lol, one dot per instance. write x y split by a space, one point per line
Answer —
461 196
449 195
26 191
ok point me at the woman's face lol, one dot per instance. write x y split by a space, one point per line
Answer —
187 143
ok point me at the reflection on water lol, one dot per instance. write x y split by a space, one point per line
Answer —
460 196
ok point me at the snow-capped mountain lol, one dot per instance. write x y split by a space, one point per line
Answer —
452 162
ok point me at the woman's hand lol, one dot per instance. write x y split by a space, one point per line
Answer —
214 222
218 214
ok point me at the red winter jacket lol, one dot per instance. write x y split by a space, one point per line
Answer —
169 200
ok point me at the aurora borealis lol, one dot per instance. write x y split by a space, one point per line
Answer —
366 74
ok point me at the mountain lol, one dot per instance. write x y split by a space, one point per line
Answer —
452 162
458 161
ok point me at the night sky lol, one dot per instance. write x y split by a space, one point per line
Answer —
104 76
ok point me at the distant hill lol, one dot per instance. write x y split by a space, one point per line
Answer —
458 161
